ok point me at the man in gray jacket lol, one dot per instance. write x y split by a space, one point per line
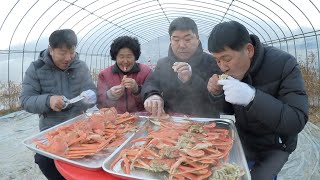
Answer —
56 76
265 90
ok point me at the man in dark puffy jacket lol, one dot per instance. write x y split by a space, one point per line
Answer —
178 83
56 75
265 90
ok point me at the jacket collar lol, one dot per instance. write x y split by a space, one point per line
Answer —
117 70
194 59
257 58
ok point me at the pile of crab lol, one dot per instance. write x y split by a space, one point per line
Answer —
88 135
183 150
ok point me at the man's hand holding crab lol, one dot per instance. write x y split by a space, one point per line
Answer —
235 91
183 70
154 104
213 86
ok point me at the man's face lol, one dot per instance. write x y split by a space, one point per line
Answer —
235 63
184 44
62 57
125 59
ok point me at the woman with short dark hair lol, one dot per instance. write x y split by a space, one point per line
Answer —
119 85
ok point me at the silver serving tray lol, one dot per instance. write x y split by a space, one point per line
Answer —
236 153
92 162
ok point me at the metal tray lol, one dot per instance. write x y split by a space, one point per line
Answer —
236 153
93 162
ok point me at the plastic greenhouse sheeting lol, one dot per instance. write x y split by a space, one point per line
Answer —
304 162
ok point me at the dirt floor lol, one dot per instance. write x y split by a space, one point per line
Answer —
16 161
314 115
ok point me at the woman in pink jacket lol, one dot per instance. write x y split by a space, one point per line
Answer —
119 85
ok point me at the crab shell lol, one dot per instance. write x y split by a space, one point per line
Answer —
223 77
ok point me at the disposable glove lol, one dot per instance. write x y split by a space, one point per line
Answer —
131 84
184 71
115 92
154 105
89 97
56 103
237 92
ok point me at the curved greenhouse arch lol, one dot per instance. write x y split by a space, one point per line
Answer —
290 25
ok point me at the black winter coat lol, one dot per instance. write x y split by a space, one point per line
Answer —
279 110
189 98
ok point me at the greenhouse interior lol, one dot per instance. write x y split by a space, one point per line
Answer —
292 26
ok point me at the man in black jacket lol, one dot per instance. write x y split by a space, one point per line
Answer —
265 90
178 84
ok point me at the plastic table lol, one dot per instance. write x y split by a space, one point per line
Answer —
71 172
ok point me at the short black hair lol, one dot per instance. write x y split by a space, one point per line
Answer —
183 24
63 38
125 42
230 34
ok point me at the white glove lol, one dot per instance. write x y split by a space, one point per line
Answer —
154 105
184 71
89 96
115 92
237 92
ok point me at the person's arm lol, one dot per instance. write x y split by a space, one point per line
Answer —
197 84
220 104
31 98
152 84
103 99
287 113
200 77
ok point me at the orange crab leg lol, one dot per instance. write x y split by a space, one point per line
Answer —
126 164
125 119
198 170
